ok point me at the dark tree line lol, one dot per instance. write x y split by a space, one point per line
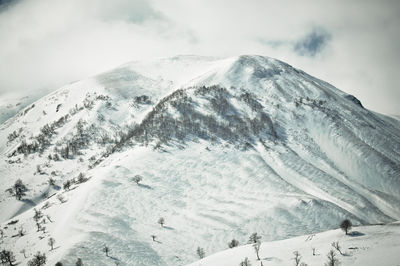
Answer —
177 118
40 142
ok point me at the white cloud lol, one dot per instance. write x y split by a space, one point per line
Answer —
50 42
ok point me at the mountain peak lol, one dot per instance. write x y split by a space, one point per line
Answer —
236 71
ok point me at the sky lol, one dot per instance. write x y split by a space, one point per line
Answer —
353 45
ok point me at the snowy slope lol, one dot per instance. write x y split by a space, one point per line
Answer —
367 245
225 146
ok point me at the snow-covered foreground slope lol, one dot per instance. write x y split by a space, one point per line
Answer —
366 245
225 147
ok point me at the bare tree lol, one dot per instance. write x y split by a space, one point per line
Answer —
161 221
49 218
254 238
51 181
200 252
18 189
23 252
346 225
233 243
137 179
38 215
246 262
21 231
332 260
61 198
46 205
51 243
256 247
43 229
106 250
39 226
337 247
297 258
39 169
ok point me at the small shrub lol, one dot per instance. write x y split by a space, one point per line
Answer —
246 262
61 198
51 181
81 178
79 262
21 232
137 179
39 259
67 184
200 252
39 227
233 243
161 221
46 205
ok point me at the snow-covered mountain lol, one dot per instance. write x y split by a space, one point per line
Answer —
225 147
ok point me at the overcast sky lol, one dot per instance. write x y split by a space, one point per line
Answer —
352 44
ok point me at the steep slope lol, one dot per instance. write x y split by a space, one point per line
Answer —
226 147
